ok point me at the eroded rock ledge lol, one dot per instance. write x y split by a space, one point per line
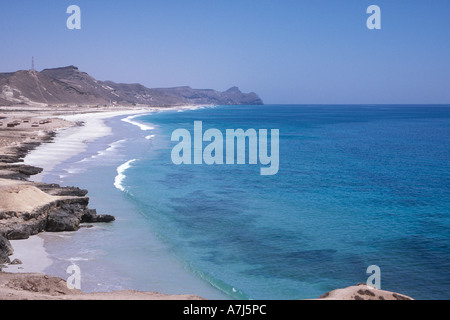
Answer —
31 208
57 216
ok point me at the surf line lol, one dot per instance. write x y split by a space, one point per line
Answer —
235 140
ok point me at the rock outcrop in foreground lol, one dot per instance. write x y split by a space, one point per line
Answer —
28 208
363 292
43 287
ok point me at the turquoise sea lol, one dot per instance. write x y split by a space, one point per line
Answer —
358 185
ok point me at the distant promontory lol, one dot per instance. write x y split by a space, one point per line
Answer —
68 85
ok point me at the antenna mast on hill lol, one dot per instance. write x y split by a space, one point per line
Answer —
32 63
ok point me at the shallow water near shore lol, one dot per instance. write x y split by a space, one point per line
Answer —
358 186
125 254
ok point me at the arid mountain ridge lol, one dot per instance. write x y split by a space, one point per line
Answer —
68 85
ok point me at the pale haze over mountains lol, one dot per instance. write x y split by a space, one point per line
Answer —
68 85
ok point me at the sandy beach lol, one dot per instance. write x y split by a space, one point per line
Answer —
31 252
21 131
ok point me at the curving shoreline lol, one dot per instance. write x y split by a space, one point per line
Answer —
28 208
49 207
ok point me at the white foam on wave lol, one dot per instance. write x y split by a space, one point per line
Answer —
191 108
66 144
111 148
73 170
72 141
120 174
74 259
107 152
143 127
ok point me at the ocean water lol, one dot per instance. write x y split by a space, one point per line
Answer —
357 186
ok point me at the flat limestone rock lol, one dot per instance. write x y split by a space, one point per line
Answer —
21 196
30 286
362 292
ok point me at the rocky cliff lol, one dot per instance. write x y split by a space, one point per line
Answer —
28 208
53 209
68 85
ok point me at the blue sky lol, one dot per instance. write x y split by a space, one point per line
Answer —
306 52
